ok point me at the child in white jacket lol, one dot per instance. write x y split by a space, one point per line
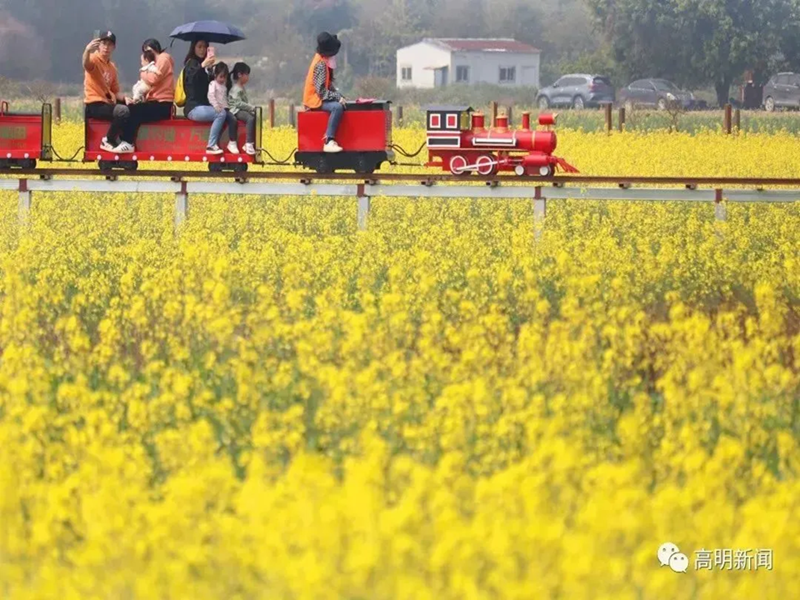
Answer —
141 87
218 99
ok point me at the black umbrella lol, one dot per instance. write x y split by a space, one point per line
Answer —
215 32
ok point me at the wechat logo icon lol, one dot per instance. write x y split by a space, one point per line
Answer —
670 556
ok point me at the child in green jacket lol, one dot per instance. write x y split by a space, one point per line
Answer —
240 107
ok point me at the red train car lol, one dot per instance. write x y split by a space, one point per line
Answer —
25 137
176 140
460 142
365 134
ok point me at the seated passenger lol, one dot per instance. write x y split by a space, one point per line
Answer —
159 79
101 95
240 107
320 93
196 79
218 89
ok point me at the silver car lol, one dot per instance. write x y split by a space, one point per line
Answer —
578 91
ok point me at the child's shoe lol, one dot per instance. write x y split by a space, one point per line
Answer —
250 149
214 150
233 148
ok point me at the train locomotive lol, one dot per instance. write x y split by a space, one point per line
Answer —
457 140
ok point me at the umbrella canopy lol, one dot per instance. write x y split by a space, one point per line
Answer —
215 32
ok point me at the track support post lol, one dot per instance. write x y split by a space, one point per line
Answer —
363 207
24 206
539 212
720 210
181 207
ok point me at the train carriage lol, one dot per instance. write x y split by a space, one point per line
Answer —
175 140
25 137
365 134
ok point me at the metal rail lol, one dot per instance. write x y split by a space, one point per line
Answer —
420 178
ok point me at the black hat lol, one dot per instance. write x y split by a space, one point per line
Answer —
327 44
108 36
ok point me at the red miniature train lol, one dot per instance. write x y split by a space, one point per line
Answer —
25 137
460 142
457 140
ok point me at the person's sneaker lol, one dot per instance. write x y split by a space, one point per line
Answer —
233 148
124 148
250 149
104 145
214 150
331 146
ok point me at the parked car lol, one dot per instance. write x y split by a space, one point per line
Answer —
782 91
654 93
578 91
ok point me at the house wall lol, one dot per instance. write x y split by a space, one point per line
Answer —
419 56
484 67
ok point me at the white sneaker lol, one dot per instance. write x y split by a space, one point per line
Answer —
214 150
104 145
331 146
124 148
250 149
233 148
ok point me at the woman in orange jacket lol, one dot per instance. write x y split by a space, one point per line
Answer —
320 93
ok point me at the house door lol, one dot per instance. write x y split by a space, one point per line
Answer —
440 77
530 76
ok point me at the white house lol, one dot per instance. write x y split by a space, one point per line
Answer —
436 62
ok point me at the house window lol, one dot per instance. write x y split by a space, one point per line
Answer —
405 74
462 74
508 74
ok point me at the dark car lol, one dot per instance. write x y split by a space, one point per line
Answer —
782 91
578 91
654 93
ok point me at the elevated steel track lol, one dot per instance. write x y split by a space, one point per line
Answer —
184 183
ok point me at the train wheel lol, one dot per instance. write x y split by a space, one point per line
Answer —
519 170
215 167
105 165
546 171
486 165
458 165
324 166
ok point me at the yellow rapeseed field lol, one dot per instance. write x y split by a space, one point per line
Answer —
274 405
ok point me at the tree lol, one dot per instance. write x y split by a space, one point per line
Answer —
694 42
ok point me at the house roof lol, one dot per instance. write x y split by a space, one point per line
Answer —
485 45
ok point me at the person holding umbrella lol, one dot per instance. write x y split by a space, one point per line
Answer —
197 76
320 93
196 79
